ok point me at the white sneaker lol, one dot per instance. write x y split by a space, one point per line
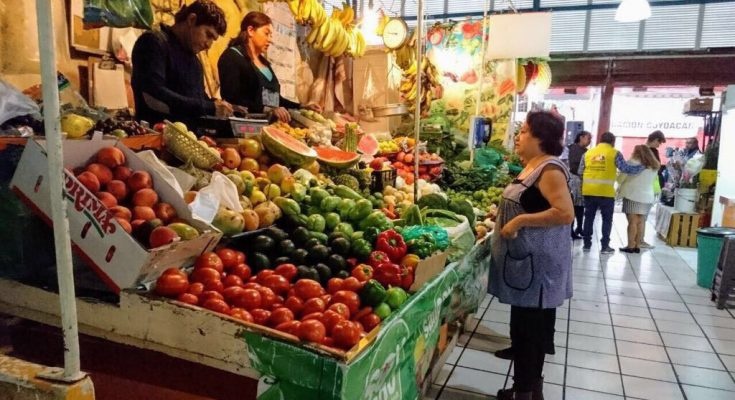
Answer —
645 245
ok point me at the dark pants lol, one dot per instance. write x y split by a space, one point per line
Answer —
531 331
606 205
579 215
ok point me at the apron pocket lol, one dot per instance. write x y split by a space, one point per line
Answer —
518 272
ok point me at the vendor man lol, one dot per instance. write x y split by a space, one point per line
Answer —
167 78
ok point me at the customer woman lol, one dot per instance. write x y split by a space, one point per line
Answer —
532 250
576 153
638 195
245 75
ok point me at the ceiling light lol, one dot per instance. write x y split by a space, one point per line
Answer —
633 11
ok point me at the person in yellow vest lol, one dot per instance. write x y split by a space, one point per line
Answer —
599 169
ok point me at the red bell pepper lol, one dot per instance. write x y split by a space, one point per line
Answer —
388 274
391 242
407 276
363 272
378 257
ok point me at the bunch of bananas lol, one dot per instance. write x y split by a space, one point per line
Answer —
337 35
431 88
307 12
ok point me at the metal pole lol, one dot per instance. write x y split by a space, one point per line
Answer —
481 74
419 94
65 274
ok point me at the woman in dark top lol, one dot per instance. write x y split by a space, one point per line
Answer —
576 153
246 77
531 262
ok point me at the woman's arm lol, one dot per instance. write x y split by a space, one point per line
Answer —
554 188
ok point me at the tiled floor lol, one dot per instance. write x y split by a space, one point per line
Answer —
638 327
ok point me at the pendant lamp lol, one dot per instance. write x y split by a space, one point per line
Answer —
633 11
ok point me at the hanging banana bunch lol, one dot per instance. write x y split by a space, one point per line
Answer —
431 87
335 35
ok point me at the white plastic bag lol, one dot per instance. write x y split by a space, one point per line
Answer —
14 103
221 191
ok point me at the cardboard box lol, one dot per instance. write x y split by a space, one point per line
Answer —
427 269
96 236
698 105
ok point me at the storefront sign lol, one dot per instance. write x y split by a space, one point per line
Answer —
639 116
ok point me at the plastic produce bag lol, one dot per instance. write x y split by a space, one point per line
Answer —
370 95
485 157
440 234
118 14
221 191
14 103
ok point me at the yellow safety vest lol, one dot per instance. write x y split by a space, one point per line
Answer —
599 171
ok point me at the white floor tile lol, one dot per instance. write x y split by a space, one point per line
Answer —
705 377
476 381
497 316
724 346
596 317
686 342
702 393
700 299
585 328
586 305
591 360
647 369
729 362
638 336
634 322
630 311
680 328
483 361
598 381
667 305
591 296
711 320
558 358
493 328
695 358
496 305
590 343
628 301
554 373
649 389
553 392
710 310
642 351
666 315
580 394
443 375
454 356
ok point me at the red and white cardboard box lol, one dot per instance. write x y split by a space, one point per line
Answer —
120 260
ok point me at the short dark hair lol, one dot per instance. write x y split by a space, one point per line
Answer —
580 135
608 137
657 135
207 13
549 129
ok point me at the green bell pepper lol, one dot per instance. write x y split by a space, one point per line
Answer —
372 293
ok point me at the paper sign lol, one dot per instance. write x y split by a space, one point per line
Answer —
519 35
109 87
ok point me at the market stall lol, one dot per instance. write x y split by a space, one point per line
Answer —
261 248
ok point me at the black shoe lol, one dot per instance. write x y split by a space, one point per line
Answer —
576 236
511 394
587 247
630 250
607 250
505 354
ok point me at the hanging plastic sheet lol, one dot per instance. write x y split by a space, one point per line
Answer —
118 14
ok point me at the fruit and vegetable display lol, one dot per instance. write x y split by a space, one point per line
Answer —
133 201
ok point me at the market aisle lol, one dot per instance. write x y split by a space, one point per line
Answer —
638 327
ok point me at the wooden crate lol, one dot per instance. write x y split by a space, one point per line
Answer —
683 230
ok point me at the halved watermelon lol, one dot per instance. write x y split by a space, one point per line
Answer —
368 145
287 148
336 158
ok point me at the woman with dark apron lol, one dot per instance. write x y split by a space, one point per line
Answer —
246 77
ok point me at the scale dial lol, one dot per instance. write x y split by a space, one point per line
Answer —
395 33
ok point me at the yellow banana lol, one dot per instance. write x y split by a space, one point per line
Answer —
331 34
311 37
293 5
322 33
361 45
305 10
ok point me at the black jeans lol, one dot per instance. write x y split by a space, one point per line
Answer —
531 332
579 215
606 205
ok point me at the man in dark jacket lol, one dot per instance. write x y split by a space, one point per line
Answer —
167 78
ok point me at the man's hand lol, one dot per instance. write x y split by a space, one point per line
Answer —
223 109
282 114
